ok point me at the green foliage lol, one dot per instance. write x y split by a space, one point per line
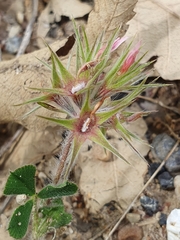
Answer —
22 181
53 217
20 219
65 189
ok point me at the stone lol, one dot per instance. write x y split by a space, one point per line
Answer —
166 181
177 185
162 144
162 219
130 232
133 217
150 205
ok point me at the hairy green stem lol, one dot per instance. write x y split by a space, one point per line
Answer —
66 148
34 218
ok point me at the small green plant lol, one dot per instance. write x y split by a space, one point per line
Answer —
87 98
46 207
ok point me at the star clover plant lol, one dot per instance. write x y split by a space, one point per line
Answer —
87 96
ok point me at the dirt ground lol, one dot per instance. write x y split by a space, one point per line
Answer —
86 224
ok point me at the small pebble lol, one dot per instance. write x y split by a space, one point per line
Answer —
177 185
150 205
173 163
162 144
12 44
162 219
133 217
130 232
166 181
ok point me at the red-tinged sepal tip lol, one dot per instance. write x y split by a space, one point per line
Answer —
117 42
130 59
87 66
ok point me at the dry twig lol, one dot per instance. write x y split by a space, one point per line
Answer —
9 143
5 203
174 109
29 29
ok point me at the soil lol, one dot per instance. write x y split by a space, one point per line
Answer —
96 226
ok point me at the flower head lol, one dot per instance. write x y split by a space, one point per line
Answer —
86 97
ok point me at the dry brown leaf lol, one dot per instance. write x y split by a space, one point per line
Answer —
108 15
33 146
17 76
101 182
157 25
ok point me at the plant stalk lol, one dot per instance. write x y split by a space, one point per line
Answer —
65 152
34 218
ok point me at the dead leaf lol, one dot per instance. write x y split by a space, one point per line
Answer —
63 51
156 25
33 147
101 182
109 15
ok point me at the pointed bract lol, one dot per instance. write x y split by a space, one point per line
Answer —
100 139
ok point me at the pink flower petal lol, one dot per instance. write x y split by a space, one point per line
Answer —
118 42
130 59
115 45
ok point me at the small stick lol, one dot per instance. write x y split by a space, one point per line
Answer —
9 143
5 203
0 55
174 109
29 29
151 178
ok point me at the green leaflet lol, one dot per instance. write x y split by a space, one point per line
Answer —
53 216
20 220
65 189
21 181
